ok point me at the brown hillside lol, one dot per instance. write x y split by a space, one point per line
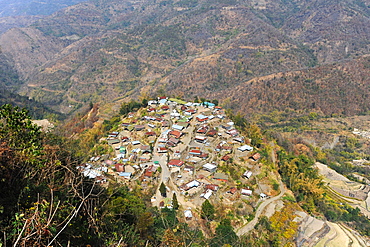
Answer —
256 53
28 48
339 88
9 22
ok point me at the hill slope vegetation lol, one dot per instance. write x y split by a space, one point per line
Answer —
119 50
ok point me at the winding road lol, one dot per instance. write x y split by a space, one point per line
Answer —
250 225
165 174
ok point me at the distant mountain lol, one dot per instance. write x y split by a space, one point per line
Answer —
10 22
22 13
10 83
341 88
32 7
111 50
9 78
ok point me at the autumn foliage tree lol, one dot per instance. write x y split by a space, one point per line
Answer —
300 176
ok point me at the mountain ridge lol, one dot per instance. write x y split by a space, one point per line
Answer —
124 49
32 8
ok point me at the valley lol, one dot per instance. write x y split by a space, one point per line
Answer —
185 123
236 52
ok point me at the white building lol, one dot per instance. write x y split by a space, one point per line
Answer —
207 195
177 127
126 175
200 139
245 148
210 167
188 215
246 192
247 174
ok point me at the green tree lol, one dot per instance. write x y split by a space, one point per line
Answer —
17 130
224 234
144 102
162 189
239 120
352 143
175 203
35 194
144 223
208 210
254 132
123 215
20 156
127 107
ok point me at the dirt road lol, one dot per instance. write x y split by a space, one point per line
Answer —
250 225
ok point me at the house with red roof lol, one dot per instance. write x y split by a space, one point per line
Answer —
191 111
175 133
173 141
202 130
226 158
195 152
232 190
119 167
150 133
162 150
256 156
165 124
175 163
213 187
212 133
221 177
139 127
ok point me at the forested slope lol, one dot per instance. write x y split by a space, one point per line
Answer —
120 50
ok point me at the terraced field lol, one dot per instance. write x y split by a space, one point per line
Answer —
319 233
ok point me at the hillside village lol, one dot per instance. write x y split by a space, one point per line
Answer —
173 160
196 152
194 149
284 162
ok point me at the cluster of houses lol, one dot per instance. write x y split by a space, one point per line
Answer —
162 129
169 139
95 169
206 190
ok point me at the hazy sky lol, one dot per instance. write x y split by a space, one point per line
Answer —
33 7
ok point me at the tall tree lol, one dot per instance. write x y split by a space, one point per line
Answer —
162 189
224 234
20 150
208 210
175 203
